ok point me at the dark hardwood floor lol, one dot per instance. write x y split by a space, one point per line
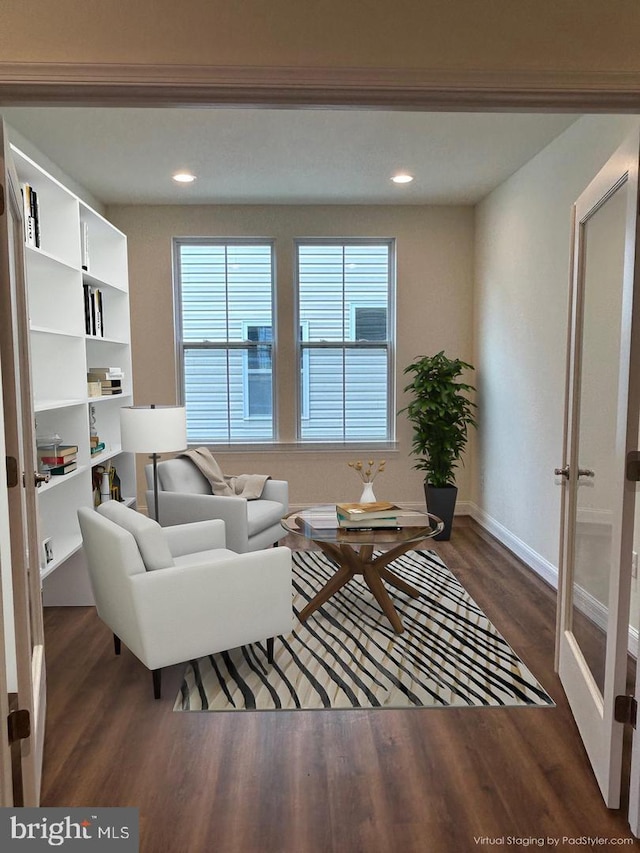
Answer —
381 781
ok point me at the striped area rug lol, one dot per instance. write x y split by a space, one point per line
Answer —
348 656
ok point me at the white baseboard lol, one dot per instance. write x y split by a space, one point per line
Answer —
539 564
590 606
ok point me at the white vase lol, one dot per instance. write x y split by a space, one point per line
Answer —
105 488
367 496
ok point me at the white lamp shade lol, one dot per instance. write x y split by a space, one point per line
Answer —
159 429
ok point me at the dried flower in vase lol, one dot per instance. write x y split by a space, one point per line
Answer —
368 471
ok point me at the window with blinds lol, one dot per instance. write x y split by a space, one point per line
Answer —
345 292
224 301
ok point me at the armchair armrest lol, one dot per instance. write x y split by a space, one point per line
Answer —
277 490
194 537
209 598
182 507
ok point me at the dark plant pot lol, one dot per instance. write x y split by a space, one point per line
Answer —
441 501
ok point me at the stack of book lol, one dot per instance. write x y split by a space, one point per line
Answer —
358 516
59 459
31 212
110 379
96 446
93 311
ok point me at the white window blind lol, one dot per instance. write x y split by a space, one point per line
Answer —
345 292
224 299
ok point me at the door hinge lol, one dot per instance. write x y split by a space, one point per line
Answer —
19 725
12 472
626 710
633 466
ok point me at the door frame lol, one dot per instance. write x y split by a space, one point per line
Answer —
127 85
154 84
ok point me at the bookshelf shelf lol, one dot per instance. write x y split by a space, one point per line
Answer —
36 255
43 330
105 456
51 405
105 340
63 549
63 235
61 479
98 282
111 398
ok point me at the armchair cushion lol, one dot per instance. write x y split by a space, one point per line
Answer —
181 475
261 515
149 536
204 557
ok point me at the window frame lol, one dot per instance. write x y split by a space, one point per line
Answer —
247 371
181 346
389 344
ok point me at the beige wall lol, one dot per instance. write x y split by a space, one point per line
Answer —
434 311
521 295
574 35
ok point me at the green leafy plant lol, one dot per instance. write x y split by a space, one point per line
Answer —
441 413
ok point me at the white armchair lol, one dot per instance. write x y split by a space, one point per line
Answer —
184 495
176 594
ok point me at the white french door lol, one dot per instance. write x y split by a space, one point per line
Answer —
28 703
601 429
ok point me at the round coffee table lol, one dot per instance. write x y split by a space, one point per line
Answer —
352 551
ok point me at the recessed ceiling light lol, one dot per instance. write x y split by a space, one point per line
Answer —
402 178
184 177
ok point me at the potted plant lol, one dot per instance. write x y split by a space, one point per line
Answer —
441 413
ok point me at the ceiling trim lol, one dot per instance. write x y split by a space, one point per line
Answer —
137 85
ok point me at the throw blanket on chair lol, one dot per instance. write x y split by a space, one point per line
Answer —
247 486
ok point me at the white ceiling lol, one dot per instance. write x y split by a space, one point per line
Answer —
278 156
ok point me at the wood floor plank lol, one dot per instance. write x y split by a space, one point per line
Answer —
381 781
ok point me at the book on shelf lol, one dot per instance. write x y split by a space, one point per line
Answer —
59 456
50 462
105 373
64 469
93 311
368 511
31 214
97 448
97 294
105 387
86 290
84 245
106 383
35 212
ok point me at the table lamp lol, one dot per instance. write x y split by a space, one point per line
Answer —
155 430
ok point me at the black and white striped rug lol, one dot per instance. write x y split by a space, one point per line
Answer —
347 655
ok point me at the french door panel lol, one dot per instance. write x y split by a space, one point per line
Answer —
601 428
19 436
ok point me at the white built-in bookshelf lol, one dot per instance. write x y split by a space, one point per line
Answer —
65 346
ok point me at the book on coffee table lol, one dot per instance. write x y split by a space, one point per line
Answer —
368 511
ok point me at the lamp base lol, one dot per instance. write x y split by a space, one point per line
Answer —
154 457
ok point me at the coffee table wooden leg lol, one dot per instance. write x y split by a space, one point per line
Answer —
341 577
399 583
374 582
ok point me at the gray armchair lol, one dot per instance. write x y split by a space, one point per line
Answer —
184 496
